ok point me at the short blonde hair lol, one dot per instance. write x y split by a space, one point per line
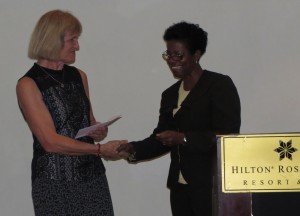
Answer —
47 38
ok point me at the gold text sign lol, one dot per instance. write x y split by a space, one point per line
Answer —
260 163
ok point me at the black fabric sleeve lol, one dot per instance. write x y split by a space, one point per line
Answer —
150 147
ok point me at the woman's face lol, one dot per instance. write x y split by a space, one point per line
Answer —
180 61
71 45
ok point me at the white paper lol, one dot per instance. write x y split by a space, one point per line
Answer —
85 131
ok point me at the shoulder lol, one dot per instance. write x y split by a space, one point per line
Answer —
75 73
26 86
84 81
217 79
173 88
25 82
221 84
214 76
31 73
76 70
82 75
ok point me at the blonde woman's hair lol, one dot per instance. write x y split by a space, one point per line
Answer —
47 38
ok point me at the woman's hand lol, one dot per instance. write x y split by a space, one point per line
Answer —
99 134
109 150
125 150
170 138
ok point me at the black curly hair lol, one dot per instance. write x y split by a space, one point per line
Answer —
191 34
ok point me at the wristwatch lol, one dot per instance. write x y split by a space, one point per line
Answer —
131 157
184 140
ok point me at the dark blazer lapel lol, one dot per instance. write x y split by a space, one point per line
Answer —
171 98
195 94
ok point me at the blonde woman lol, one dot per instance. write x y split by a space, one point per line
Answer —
68 176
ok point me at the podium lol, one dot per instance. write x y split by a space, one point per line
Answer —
249 164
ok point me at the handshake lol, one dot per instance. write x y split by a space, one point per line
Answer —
121 149
116 149
112 150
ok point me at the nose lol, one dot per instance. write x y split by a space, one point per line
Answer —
76 45
172 62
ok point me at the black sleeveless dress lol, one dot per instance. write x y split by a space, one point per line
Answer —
62 184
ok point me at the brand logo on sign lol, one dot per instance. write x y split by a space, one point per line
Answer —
285 150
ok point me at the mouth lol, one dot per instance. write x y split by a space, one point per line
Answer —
177 71
176 67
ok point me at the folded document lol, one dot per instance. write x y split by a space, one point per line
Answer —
85 131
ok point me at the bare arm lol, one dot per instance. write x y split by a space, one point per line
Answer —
86 89
101 132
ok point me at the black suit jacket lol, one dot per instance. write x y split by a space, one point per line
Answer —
212 107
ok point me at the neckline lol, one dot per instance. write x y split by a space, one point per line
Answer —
181 88
49 70
197 83
55 75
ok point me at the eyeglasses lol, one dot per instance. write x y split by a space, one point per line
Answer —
178 56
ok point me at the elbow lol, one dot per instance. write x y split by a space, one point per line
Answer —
49 144
49 148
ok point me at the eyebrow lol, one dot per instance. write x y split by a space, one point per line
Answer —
181 52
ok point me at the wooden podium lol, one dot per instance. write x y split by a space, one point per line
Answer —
256 163
227 204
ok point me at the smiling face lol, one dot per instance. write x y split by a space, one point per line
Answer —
181 62
71 45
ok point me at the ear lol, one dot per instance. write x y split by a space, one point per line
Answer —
197 55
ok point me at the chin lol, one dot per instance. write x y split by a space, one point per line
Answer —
177 75
70 61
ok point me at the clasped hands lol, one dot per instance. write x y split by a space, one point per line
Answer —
118 149
108 150
167 138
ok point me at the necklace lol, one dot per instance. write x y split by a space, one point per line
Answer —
61 83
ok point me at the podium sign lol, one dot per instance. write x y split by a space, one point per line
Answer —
260 163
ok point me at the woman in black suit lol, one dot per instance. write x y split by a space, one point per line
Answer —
198 106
